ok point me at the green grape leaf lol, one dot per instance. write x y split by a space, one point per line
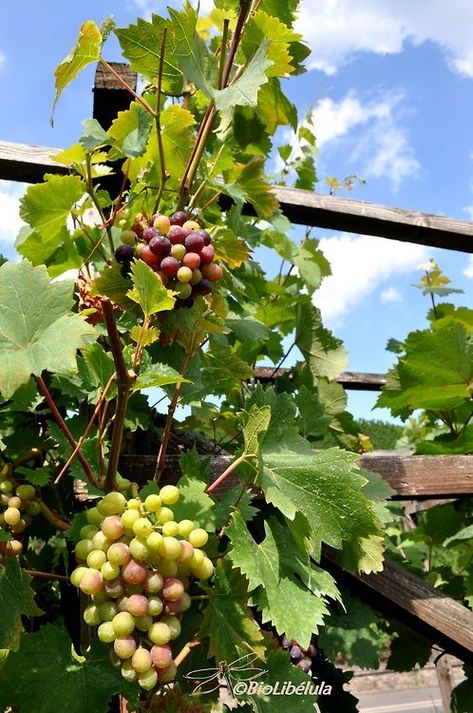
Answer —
313 419
255 425
197 64
227 502
46 206
111 283
408 650
4 536
135 142
248 183
356 633
100 363
86 50
77 523
278 578
274 108
146 336
247 329
443 381
244 92
148 290
74 684
284 10
323 353
313 266
39 477
156 375
37 329
465 533
141 45
93 135
228 623
16 600
194 504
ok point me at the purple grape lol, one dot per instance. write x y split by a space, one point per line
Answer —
187 303
124 253
125 269
160 245
311 652
205 235
284 642
178 218
194 243
296 653
305 664
169 266
149 233
204 287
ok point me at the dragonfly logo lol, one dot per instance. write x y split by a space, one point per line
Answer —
233 674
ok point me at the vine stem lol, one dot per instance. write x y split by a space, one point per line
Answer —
162 159
282 360
91 190
170 415
46 575
62 425
233 466
185 651
124 381
87 429
129 89
52 518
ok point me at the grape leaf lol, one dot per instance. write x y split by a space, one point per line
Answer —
244 92
111 283
194 504
46 206
226 503
267 27
408 649
465 533
274 108
85 51
37 329
247 329
93 135
16 600
356 634
323 353
278 578
39 477
148 291
72 685
141 45
156 375
228 623
77 523
4 536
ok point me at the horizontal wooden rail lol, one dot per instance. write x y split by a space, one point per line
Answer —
28 163
355 381
398 593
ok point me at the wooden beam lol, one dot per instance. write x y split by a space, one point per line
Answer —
400 594
353 216
423 476
27 163
355 381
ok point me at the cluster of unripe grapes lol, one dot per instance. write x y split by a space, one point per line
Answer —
299 656
177 249
136 563
18 505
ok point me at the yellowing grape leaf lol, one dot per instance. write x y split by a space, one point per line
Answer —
38 331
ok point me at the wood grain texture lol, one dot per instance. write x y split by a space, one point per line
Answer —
27 163
423 476
355 381
399 593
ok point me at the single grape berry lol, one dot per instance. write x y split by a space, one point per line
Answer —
124 253
207 254
296 653
178 218
149 233
149 257
305 664
191 260
178 251
159 245
161 223
169 266
177 235
205 235
194 243
204 287
184 274
125 269
212 272
129 237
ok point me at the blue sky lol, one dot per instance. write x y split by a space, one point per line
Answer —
391 88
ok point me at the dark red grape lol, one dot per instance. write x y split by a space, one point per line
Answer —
194 242
205 235
177 235
305 664
204 287
311 652
124 253
149 233
147 256
159 245
125 269
212 272
296 653
178 218
169 266
207 254
284 642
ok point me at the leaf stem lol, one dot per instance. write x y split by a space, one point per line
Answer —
282 360
62 425
223 52
221 478
52 518
86 431
162 159
93 195
46 575
124 381
129 89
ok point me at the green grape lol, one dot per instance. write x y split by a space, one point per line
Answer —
100 542
174 625
141 660
142 527
33 508
170 528
129 518
94 517
143 623
83 549
170 548
138 549
92 615
133 504
110 571
112 504
6 487
159 633
123 623
124 647
168 568
154 541
165 515
152 503
205 570
197 558
169 494
185 527
198 537
26 491
106 632
76 575
88 531
128 672
107 610
100 597
96 559
148 680
155 606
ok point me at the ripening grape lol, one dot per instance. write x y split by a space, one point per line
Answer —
148 680
162 223
138 549
204 287
155 606
170 548
137 605
161 656
12 516
94 517
112 527
178 218
107 610
154 583
88 531
173 624
173 589
165 675
184 274
129 518
198 537
106 632
128 672
207 254
187 553
142 527
26 491
124 646
76 575
178 251
91 581
15 502
152 503
123 623
115 588
160 633
118 554
159 245
143 623
109 571
141 660
133 504
134 572
168 568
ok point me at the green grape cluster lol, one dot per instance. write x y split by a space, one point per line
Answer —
18 505
136 563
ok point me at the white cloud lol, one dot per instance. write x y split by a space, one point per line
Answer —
378 145
391 294
360 265
468 271
10 221
338 29
2 60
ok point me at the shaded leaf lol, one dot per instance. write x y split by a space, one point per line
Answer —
16 600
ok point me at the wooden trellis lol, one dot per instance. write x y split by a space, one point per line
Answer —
445 621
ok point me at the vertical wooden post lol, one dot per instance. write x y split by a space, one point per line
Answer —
445 681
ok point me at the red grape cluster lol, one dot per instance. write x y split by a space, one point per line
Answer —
18 504
177 249
136 562
299 656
